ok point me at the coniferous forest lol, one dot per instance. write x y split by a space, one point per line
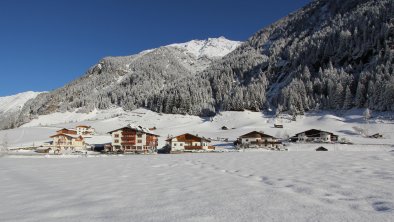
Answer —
331 54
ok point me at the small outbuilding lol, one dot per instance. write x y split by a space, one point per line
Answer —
278 125
321 149
376 136
43 150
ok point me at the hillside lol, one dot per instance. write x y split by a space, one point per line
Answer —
330 54
10 106
16 102
129 81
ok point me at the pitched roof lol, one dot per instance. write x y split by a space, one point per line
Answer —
83 126
321 149
188 136
256 134
314 131
68 135
136 128
98 139
69 131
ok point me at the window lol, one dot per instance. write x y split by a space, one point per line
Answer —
116 135
247 140
139 141
174 144
116 141
139 135
181 144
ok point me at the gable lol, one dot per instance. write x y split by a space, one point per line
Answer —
132 131
188 138
314 133
256 134
66 131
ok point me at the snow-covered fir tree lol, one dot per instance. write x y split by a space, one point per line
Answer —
331 54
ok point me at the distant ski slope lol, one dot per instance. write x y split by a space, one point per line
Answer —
15 102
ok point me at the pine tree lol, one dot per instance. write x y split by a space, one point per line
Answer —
348 102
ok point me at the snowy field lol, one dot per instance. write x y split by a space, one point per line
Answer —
38 131
259 186
228 186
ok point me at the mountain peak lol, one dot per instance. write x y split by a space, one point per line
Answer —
211 47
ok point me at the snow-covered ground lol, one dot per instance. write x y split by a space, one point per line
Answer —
73 117
262 186
228 186
212 47
16 102
239 123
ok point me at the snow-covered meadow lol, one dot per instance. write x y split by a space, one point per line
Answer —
238 123
244 186
227 186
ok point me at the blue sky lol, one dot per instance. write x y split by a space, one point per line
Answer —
45 44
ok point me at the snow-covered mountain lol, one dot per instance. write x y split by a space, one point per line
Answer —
16 102
204 52
211 48
128 81
331 54
11 107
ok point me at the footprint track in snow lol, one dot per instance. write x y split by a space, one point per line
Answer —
333 196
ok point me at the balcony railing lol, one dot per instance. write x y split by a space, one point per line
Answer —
128 138
193 147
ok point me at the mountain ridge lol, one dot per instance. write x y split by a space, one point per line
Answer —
16 102
330 54
113 76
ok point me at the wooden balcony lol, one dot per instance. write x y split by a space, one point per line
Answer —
193 147
199 147
271 142
128 137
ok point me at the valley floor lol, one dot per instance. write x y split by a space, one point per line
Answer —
244 186
39 130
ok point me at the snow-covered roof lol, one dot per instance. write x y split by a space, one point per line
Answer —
255 134
136 128
98 140
68 135
314 131
190 135
69 130
82 126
